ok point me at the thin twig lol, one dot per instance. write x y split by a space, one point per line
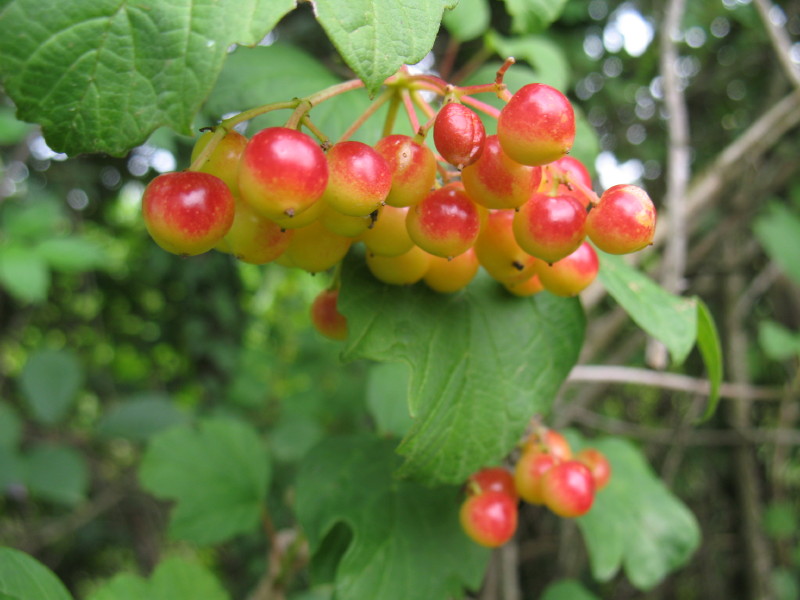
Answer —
780 42
669 381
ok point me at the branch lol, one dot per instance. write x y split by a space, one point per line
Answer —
780 42
669 381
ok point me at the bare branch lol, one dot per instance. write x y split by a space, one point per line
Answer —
669 381
780 41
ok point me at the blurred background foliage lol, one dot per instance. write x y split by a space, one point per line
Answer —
105 339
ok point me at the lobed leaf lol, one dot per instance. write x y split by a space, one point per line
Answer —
533 16
636 523
101 76
404 539
173 578
375 37
193 467
22 577
482 363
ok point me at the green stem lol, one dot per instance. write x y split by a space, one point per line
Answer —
324 140
391 115
408 104
219 132
371 110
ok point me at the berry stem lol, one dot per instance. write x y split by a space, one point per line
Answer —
420 102
303 106
391 115
371 110
306 121
481 106
472 65
220 131
588 192
408 104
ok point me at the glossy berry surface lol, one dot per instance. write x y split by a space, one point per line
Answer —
255 239
403 269
568 489
224 159
598 464
447 276
500 254
315 248
325 315
283 172
550 227
359 178
572 274
527 288
529 474
458 134
413 168
623 221
496 181
492 479
445 223
388 235
489 519
187 212
568 176
537 126
552 442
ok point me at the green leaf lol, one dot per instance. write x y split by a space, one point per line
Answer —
636 523
56 473
387 398
778 230
100 76
12 469
778 342
266 74
24 274
711 350
406 540
567 589
10 426
540 52
667 317
173 578
293 436
12 130
50 382
72 254
194 466
375 37
22 577
482 363
780 520
533 16
468 20
31 220
140 418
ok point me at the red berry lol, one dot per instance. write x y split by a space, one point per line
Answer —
537 126
496 181
224 159
490 518
552 442
550 227
458 134
573 179
568 489
325 315
623 221
492 479
254 239
445 223
187 212
413 169
598 464
282 173
448 275
500 254
572 274
529 473
359 179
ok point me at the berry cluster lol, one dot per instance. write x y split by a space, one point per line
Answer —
546 473
512 202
